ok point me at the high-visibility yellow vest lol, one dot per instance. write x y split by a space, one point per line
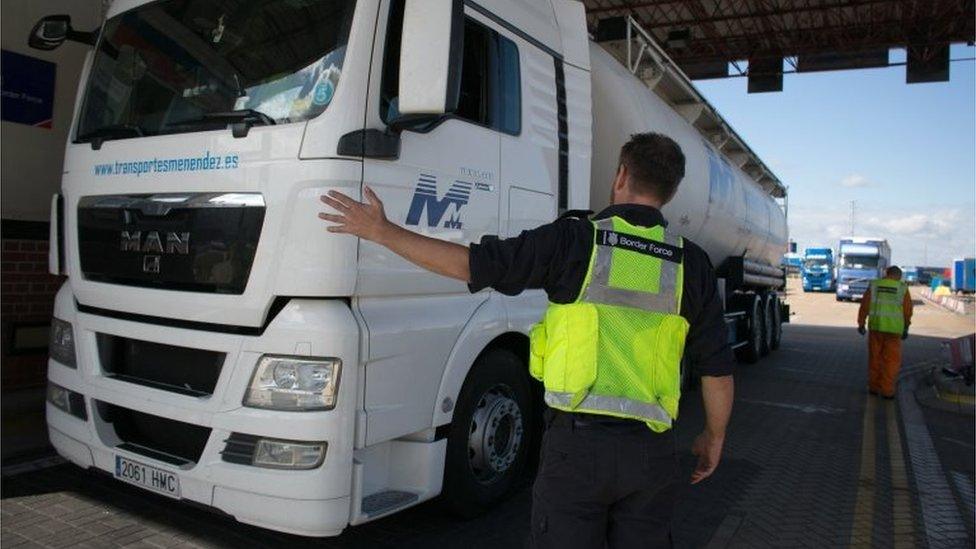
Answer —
617 349
885 313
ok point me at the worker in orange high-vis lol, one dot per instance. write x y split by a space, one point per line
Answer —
887 307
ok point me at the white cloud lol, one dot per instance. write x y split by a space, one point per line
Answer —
855 180
931 234
938 224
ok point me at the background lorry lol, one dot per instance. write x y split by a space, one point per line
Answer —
818 270
926 274
964 275
861 260
214 343
910 275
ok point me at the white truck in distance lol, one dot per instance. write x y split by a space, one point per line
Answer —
214 343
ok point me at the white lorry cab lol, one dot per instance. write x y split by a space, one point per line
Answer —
213 342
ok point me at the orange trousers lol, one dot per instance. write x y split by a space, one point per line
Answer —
884 362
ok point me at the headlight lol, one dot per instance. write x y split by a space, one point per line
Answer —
844 287
282 454
62 344
294 383
66 400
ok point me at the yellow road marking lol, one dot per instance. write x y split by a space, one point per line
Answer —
955 398
902 515
863 521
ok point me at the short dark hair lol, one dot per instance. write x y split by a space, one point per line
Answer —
655 164
893 271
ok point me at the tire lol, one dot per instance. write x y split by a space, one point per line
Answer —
766 345
777 323
752 350
488 444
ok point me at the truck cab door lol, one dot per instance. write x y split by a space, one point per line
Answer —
443 183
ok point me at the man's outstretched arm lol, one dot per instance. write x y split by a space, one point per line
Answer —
368 220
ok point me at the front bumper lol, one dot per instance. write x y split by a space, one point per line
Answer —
851 293
312 502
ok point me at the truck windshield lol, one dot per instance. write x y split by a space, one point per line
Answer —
189 65
815 263
860 261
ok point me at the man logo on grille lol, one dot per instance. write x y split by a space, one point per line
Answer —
150 264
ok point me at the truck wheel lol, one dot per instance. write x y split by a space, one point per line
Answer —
766 344
752 350
488 442
777 323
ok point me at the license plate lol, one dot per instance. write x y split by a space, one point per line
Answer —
148 477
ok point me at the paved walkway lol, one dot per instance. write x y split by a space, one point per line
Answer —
811 461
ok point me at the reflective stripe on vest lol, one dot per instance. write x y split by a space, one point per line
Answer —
620 405
886 312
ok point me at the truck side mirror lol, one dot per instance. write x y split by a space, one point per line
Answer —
431 49
51 31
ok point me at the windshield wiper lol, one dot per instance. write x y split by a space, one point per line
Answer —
240 120
114 131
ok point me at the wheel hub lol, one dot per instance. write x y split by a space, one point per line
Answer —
495 434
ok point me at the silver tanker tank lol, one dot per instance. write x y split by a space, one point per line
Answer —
718 206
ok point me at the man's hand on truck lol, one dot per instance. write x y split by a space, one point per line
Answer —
368 221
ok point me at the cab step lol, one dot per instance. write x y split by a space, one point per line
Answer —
384 502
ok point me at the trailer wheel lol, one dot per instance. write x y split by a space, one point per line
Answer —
777 323
752 350
766 344
488 442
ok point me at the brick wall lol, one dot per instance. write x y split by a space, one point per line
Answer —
26 298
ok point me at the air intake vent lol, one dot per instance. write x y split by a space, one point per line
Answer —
183 370
155 436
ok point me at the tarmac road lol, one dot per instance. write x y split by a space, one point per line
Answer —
811 460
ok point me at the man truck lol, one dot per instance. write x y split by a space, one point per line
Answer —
214 343
818 270
861 261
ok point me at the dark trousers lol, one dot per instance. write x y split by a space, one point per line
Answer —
603 482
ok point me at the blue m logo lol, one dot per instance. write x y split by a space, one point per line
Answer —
425 198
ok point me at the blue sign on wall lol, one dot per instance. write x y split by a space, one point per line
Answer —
26 89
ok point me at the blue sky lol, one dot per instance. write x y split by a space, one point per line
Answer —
905 153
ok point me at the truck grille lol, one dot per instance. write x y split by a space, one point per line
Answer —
197 242
156 437
181 370
857 285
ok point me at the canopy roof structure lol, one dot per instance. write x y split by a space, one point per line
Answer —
705 36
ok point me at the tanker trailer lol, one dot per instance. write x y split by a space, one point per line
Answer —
719 206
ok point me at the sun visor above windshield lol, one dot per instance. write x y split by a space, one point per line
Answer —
859 250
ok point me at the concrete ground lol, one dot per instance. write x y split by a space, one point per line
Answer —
811 461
